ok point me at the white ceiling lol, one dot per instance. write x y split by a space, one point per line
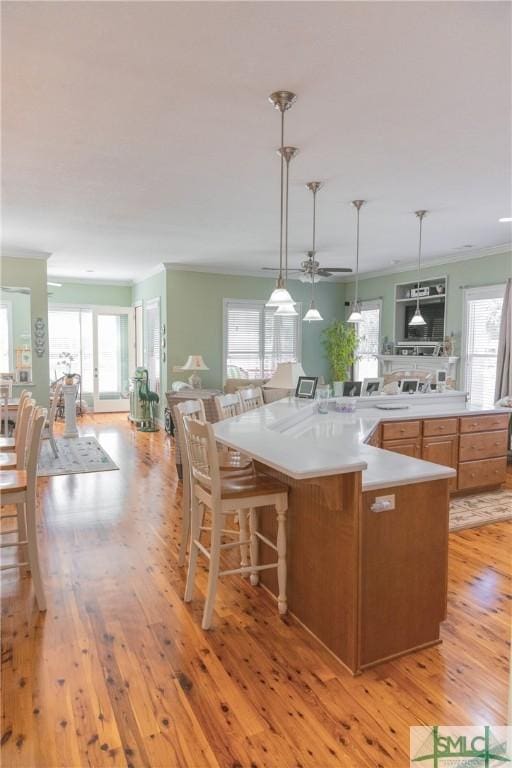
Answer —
140 133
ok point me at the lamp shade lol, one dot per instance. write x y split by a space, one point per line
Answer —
195 363
286 310
285 376
417 318
280 296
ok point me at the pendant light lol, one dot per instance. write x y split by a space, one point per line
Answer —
287 308
417 318
355 315
313 315
282 100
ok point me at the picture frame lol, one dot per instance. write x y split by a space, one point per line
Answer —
352 388
441 376
409 386
306 387
23 358
372 386
24 375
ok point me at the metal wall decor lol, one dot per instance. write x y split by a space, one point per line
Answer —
39 336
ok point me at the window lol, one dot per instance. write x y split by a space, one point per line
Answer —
256 339
482 317
368 337
139 337
152 342
5 337
70 330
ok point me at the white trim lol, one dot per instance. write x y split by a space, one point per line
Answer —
24 253
10 350
87 281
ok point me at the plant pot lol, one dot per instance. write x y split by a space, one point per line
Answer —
69 380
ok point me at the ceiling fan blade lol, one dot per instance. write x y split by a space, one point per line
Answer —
339 269
323 273
273 269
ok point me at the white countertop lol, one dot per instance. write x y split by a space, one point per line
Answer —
292 437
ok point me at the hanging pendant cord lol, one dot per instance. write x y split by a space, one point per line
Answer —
314 220
282 201
357 258
286 221
419 266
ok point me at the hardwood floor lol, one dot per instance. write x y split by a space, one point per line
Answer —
119 673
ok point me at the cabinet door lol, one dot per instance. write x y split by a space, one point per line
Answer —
410 447
444 451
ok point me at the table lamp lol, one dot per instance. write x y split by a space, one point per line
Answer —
286 376
195 363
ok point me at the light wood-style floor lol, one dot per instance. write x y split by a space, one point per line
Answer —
119 673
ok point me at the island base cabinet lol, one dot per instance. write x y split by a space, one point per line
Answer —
404 570
442 450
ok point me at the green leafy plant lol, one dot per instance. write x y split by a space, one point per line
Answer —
340 342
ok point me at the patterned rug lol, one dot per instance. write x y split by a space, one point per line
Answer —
76 455
480 509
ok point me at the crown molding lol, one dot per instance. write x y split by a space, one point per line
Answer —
87 281
146 275
13 252
212 270
411 266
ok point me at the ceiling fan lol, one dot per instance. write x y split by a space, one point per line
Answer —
311 266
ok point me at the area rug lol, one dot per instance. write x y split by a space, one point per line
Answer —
480 509
76 455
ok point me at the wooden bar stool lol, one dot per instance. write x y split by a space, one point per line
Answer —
251 398
17 458
226 496
228 462
19 487
9 443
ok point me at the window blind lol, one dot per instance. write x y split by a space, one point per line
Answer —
256 339
368 341
5 340
152 342
482 327
70 330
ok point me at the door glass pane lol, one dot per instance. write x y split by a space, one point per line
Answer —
112 357
70 332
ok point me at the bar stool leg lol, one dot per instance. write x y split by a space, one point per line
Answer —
253 523
195 532
213 575
281 507
185 522
33 552
22 536
244 548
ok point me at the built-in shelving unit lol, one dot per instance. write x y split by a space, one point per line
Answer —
433 308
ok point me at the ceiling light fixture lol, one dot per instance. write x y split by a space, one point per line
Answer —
313 315
355 314
505 219
282 100
417 318
54 285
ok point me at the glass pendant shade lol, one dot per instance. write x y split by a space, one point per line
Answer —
417 318
355 315
286 310
312 315
280 296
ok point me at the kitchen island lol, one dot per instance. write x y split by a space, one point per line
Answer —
367 533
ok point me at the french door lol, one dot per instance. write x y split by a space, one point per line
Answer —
100 341
113 358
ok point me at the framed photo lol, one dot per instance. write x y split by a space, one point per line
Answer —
23 358
352 388
441 377
306 387
372 386
409 386
24 375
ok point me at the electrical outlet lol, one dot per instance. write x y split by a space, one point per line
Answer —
383 503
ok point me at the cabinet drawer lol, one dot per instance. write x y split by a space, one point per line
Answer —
407 447
484 445
484 423
433 427
475 474
397 430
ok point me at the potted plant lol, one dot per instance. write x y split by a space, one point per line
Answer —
66 361
340 342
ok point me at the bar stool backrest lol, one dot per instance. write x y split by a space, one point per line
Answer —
202 455
24 396
34 446
228 406
24 428
251 398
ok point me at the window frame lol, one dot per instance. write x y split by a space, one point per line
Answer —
260 303
369 304
10 336
494 291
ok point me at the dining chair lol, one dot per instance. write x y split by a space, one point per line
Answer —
227 496
19 487
251 398
194 409
227 406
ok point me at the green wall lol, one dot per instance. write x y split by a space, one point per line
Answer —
90 293
195 318
31 273
487 270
